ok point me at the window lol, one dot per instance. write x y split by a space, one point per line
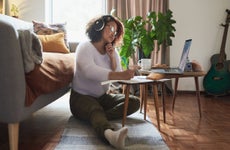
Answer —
76 13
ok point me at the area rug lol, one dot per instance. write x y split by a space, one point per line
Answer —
142 135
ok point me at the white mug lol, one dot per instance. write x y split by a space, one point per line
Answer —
145 63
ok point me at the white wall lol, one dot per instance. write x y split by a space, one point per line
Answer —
29 9
196 19
199 20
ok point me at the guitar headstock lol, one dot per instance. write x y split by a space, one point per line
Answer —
228 16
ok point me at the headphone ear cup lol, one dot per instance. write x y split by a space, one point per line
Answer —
99 25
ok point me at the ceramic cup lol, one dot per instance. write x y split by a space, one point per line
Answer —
145 63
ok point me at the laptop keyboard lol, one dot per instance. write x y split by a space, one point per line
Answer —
171 70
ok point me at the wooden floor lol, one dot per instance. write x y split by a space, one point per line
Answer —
183 130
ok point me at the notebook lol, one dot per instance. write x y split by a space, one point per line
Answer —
182 63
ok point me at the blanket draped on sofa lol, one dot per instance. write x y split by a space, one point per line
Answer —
31 49
45 72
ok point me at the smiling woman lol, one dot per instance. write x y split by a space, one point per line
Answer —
76 14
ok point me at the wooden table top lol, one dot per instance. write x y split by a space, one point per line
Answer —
161 75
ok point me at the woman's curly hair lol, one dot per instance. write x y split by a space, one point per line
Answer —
95 34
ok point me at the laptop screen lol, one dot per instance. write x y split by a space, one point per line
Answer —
183 59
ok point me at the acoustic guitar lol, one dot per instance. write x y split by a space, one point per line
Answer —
217 80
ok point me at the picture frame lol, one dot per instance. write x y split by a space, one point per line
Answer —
2 7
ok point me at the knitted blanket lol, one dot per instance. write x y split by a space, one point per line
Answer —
31 49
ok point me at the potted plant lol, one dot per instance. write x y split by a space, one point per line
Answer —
137 37
162 27
14 10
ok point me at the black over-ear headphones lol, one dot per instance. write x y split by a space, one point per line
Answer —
100 23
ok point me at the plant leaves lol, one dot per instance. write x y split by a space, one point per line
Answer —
140 33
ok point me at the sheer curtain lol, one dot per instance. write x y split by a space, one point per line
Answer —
130 8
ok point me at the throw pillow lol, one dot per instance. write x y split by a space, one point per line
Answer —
47 29
53 43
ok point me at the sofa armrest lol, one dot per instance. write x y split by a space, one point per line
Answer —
12 76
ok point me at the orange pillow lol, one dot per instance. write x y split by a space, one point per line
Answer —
53 43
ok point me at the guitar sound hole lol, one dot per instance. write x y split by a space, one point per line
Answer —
219 66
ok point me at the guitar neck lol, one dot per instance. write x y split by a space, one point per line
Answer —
222 56
223 44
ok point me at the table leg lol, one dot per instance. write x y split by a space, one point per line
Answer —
156 102
145 86
198 94
175 92
163 99
141 96
127 89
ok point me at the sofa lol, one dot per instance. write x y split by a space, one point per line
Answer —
13 80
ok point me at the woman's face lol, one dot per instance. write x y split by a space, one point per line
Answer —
109 32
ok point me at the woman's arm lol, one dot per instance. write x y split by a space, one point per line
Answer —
122 75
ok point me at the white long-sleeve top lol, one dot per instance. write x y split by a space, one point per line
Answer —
91 69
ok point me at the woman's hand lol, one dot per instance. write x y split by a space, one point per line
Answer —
128 74
110 50
123 75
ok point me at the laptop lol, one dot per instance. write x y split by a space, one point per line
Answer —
182 63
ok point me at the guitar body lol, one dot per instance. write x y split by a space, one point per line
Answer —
217 80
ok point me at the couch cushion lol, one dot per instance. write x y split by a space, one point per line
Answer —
53 43
41 28
55 72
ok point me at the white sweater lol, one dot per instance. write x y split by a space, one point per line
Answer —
91 69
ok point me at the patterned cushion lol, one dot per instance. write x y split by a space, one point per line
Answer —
47 29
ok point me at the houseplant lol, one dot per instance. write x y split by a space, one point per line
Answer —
136 37
162 27
14 10
140 34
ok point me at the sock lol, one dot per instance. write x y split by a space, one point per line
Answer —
116 138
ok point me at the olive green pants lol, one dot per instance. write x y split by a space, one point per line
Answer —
99 110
